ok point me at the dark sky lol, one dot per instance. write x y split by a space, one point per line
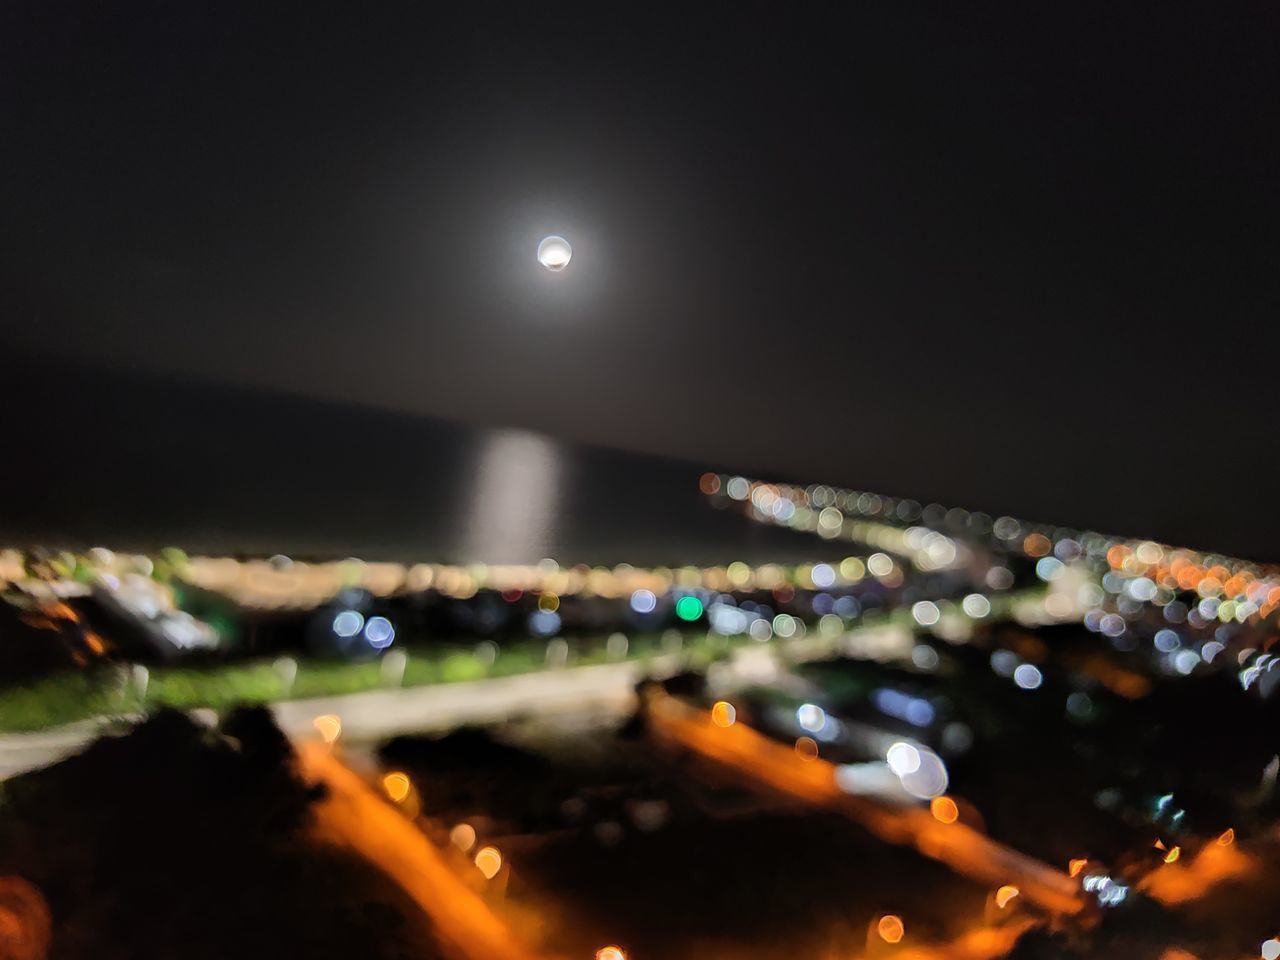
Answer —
1019 257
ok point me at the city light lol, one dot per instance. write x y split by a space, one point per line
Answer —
379 633
488 861
689 608
329 727
348 623
644 601
890 928
811 717
806 748
463 836
944 809
723 714
396 785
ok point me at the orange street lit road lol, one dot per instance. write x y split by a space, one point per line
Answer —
1176 881
353 814
985 943
965 850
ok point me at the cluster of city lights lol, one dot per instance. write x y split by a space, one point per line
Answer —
832 513
1188 613
1199 602
737 599
486 858
283 583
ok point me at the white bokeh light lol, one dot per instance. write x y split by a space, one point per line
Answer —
903 758
1028 677
554 253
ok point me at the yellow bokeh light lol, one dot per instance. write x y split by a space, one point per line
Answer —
739 573
807 748
610 953
890 928
723 714
397 786
1076 865
852 569
548 603
1227 837
489 862
329 726
1173 854
1005 894
944 809
463 836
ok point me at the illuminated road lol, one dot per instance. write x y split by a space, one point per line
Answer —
985 943
354 816
754 756
20 752
379 714
1175 884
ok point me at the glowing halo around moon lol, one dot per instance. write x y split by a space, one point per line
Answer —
554 253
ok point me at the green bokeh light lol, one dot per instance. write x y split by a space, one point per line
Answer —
688 608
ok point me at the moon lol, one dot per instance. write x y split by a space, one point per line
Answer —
554 253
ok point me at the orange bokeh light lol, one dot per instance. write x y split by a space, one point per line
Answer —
944 809
891 928
489 862
1036 545
329 726
723 714
397 786
463 836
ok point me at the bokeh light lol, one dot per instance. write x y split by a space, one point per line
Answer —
463 836
329 726
644 601
891 928
488 861
689 608
396 785
723 714
1005 894
379 633
944 809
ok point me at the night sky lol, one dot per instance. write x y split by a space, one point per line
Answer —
1009 257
